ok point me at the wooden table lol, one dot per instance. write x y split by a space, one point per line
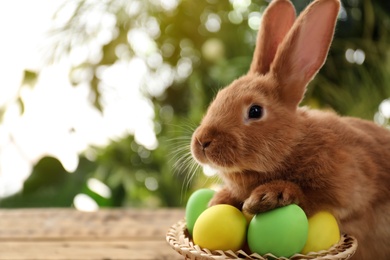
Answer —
70 234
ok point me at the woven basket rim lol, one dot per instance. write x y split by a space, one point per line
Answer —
177 238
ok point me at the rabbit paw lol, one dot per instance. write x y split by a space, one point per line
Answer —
272 195
224 197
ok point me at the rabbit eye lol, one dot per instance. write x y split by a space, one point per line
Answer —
255 112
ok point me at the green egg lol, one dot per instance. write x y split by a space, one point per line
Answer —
281 231
197 203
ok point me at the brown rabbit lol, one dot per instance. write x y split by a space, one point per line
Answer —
270 152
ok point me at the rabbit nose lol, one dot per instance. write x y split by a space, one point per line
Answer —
204 144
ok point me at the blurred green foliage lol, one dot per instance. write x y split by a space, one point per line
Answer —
206 44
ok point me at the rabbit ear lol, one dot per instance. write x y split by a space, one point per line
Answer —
304 49
276 22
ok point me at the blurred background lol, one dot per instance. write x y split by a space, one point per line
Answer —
98 98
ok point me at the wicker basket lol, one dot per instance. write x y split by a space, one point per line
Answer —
179 240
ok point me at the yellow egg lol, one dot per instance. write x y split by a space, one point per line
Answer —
220 227
323 232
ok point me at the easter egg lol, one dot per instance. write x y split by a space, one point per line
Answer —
220 227
323 232
282 231
196 204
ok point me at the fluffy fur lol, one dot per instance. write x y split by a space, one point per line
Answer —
292 154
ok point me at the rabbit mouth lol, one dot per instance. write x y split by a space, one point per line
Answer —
212 170
213 156
219 149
